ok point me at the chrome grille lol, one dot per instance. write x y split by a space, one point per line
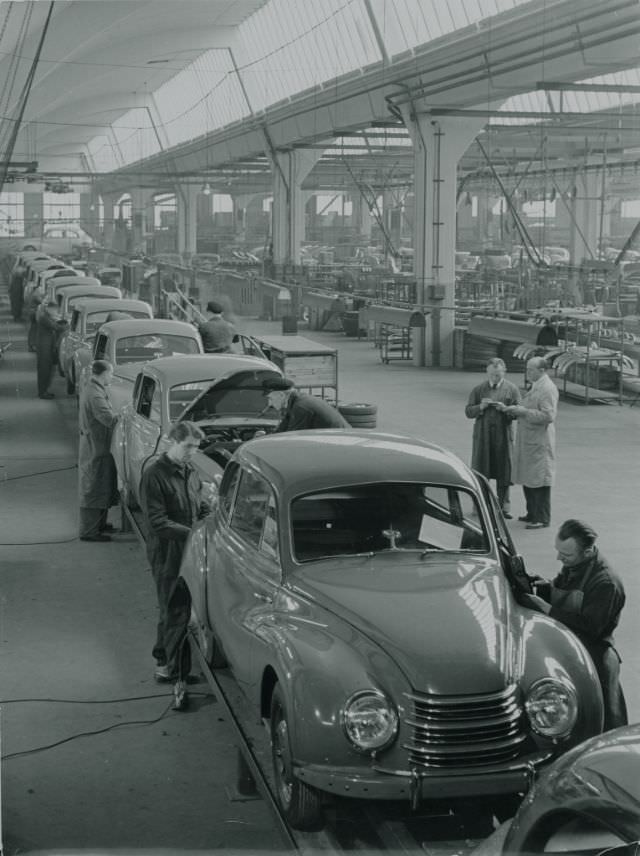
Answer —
464 731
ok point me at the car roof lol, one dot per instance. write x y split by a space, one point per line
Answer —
139 326
60 282
302 461
196 367
93 304
94 287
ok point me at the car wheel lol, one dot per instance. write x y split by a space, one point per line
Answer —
208 644
299 803
71 383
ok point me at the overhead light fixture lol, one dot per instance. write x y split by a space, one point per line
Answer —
206 189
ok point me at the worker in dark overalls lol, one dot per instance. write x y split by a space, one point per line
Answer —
216 332
587 597
16 292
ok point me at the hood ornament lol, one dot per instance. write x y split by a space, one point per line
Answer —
392 534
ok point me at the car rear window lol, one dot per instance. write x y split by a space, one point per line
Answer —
96 319
375 518
150 346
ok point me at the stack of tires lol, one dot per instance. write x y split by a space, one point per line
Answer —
359 415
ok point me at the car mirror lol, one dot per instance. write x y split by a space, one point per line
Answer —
516 571
236 339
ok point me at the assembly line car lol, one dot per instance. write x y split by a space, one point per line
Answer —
129 343
586 802
221 393
67 296
362 588
89 314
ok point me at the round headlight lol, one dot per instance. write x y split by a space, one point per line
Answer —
552 707
369 720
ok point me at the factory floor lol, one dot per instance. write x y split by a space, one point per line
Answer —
94 759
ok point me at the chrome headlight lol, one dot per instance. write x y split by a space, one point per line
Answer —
552 707
369 720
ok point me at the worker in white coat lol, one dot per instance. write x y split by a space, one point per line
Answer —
534 460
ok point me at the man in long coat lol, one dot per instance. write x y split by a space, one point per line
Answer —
49 327
96 467
534 463
492 450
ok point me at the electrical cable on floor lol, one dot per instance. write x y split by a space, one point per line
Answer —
97 731
40 473
79 700
37 543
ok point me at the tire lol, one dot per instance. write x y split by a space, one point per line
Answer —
361 423
71 383
207 643
355 409
300 804
359 415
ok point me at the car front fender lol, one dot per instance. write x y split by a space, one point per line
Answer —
319 667
551 650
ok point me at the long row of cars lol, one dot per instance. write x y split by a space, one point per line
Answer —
363 588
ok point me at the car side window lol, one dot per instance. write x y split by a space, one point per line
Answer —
100 349
254 516
228 488
75 321
145 399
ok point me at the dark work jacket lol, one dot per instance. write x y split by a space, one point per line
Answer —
48 332
603 599
16 294
96 467
171 496
594 623
216 334
492 452
306 411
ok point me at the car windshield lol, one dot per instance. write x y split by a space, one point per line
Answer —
150 346
377 518
241 394
96 319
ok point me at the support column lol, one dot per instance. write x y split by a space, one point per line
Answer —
438 143
362 219
240 204
33 215
584 228
186 203
141 200
109 201
89 213
288 211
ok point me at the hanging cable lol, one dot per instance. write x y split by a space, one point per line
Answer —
25 97
12 72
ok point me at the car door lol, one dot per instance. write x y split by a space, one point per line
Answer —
243 344
143 431
243 570
512 562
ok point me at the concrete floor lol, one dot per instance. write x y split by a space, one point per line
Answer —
77 620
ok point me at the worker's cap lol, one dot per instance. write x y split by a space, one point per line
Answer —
276 384
215 307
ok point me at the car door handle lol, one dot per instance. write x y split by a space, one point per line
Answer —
263 597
